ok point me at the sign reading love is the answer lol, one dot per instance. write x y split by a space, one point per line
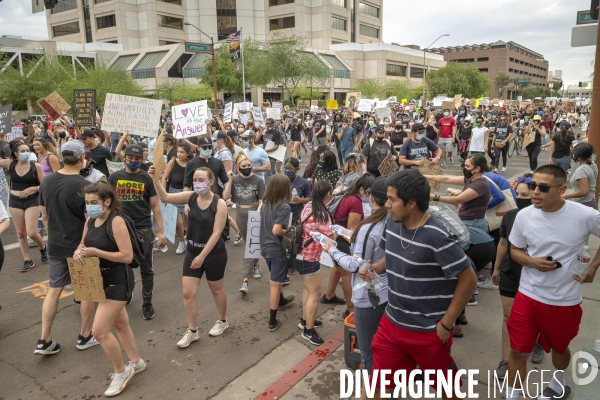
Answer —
190 119
136 115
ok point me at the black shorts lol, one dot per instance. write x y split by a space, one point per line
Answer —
23 204
214 265
296 137
343 245
118 283
508 284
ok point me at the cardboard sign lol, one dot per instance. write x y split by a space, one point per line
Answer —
136 115
16 133
457 100
539 102
86 279
448 104
384 112
6 119
252 239
189 119
314 103
227 112
169 217
429 168
278 154
365 105
332 104
278 105
114 166
84 106
303 105
257 115
274 113
158 158
388 166
54 105
286 108
352 99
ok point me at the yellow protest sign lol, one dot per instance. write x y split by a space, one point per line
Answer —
404 101
332 104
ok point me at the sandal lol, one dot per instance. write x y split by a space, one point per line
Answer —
463 319
458 333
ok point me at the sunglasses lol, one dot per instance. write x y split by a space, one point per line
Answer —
543 188
521 180
206 148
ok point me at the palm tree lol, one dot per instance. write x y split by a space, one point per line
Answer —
502 80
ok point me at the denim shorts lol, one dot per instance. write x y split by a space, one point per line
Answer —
278 268
307 268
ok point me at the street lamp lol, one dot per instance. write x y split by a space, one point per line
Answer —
214 63
425 67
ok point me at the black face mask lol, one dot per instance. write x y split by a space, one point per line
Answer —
246 171
467 173
522 203
62 135
398 127
379 139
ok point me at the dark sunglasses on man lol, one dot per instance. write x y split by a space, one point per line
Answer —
543 188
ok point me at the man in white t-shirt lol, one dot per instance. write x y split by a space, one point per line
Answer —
548 302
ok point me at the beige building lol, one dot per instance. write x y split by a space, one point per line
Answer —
149 23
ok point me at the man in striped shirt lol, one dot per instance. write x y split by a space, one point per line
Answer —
430 282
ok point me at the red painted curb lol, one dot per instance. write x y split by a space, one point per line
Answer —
300 370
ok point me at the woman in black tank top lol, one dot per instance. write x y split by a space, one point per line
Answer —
205 248
102 205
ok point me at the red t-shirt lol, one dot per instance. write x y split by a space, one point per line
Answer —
446 125
348 205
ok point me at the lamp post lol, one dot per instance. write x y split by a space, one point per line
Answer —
214 63
425 67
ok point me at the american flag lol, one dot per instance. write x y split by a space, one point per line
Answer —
234 37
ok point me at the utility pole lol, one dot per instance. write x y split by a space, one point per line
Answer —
594 126
214 64
425 69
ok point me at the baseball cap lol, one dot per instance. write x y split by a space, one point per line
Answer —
73 148
87 133
232 133
219 135
205 141
417 127
134 150
379 187
248 134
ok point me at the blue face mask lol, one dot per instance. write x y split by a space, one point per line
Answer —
133 165
246 144
420 137
94 210
24 156
206 153
290 174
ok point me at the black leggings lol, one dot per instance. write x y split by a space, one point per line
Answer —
533 152
504 152
491 152
1 254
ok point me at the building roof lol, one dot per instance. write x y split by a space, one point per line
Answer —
378 46
496 44
13 41
339 69
194 68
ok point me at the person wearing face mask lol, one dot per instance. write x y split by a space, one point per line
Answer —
561 146
205 159
206 252
349 139
418 147
398 136
533 134
353 169
465 131
387 127
137 194
548 123
295 129
501 141
585 177
273 134
478 143
447 126
376 149
431 127
99 153
88 172
300 187
259 157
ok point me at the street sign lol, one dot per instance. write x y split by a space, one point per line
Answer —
584 35
584 17
523 80
198 47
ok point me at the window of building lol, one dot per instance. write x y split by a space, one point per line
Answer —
101 1
145 68
483 59
226 18
106 21
282 23
64 6
112 41
368 9
371 31
483 70
65 29
395 70
416 72
166 42
512 59
338 23
176 71
171 1
273 3
341 3
337 42
170 22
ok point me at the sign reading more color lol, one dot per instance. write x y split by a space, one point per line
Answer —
190 119
84 106
136 115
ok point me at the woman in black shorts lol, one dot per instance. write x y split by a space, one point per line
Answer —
205 248
117 278
25 179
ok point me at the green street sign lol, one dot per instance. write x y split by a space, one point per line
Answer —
523 80
584 17
198 47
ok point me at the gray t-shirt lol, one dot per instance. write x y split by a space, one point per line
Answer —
270 245
591 173
247 191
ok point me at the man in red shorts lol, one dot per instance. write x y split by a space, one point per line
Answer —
548 302
430 281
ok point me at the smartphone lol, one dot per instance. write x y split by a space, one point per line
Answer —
558 264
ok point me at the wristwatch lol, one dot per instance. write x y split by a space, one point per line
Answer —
436 198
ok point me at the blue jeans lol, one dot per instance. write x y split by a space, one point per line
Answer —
479 223
563 162
272 171
366 321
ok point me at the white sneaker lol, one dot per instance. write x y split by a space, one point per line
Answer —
487 284
180 248
244 288
256 273
219 328
139 368
188 338
495 170
503 169
118 382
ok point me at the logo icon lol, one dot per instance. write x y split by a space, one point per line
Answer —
584 363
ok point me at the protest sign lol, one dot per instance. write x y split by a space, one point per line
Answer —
332 104
5 119
54 105
274 113
158 158
16 133
278 154
235 114
365 105
277 105
539 102
314 103
381 104
352 99
314 108
429 168
457 100
252 239
393 99
437 102
227 113
257 115
303 105
86 279
189 119
169 217
286 108
114 166
244 118
384 112
136 115
388 166
247 106
84 106
448 105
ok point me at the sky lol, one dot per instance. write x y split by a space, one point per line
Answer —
543 26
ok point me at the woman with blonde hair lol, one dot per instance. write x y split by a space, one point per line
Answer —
46 155
353 169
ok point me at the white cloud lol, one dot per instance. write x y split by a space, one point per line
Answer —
16 19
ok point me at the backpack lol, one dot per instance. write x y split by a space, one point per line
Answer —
333 205
60 160
137 242
291 241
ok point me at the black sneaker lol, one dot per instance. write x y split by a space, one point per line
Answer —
286 281
84 343
148 311
44 348
291 271
44 254
333 300
288 302
302 324
27 265
552 394
313 337
274 327
346 313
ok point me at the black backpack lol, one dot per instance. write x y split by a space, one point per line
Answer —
137 241
291 241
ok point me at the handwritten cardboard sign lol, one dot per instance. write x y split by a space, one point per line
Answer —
253 235
429 168
448 105
86 279
6 119
54 105
388 166
352 99
136 115
274 113
189 119
84 106
303 105
457 100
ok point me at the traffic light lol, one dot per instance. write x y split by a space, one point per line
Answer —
49 4
580 84
594 9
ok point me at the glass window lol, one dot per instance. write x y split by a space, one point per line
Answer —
338 23
112 41
170 22
416 72
483 59
65 29
171 1
64 6
366 30
396 70
368 9
106 21
100 1
282 23
226 18
279 2
341 3
166 42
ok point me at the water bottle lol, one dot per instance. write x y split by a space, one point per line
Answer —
322 239
164 248
581 261
294 193
340 230
373 286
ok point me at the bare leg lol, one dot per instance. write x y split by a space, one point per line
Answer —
310 298
507 303
126 336
86 310
275 291
190 291
103 322
233 224
347 288
219 297
18 217
49 311
179 227
334 279
517 363
31 223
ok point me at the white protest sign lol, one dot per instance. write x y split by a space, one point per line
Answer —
253 235
244 118
16 133
278 154
437 102
189 119
314 108
259 120
244 106
274 113
365 105
277 105
136 115
383 112
114 166
235 114
227 113
169 217
381 104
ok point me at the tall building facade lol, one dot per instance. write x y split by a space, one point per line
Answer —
149 23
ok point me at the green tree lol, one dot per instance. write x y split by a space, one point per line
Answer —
192 92
304 93
457 78
165 90
398 88
502 80
533 92
418 92
370 88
